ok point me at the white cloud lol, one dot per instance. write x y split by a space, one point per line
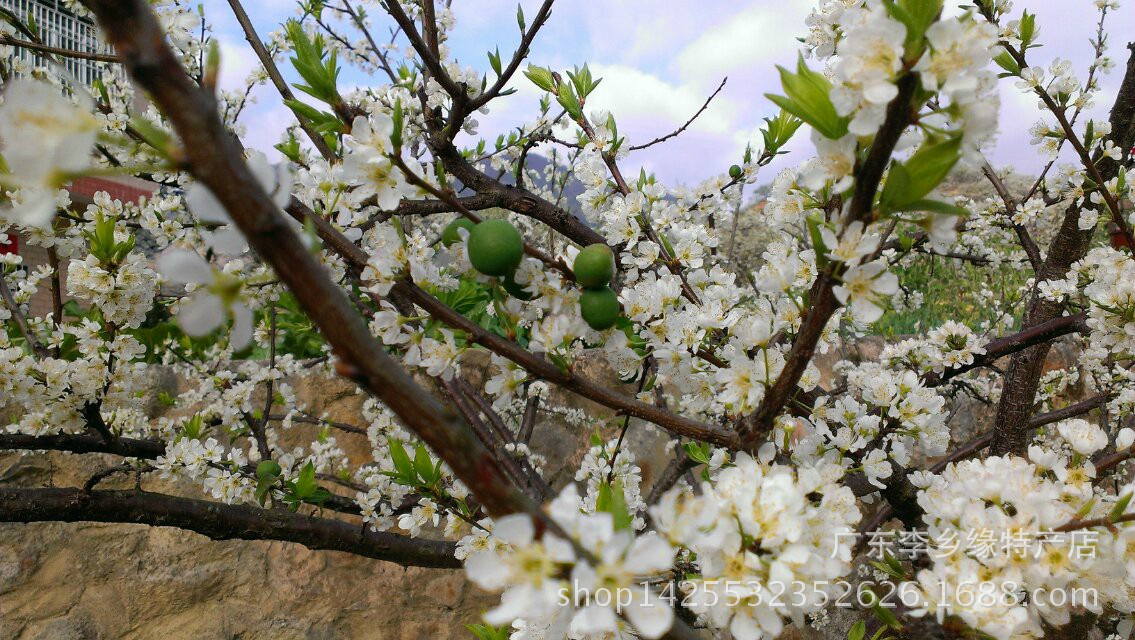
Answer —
754 36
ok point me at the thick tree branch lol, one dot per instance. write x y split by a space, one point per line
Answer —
824 302
84 443
214 158
1071 411
220 522
1014 343
1069 245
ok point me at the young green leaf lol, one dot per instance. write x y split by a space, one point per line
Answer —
541 77
912 180
808 97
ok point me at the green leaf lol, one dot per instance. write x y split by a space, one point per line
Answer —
424 465
808 97
320 75
697 451
151 134
318 496
884 615
568 100
263 487
495 60
398 455
583 82
541 77
1120 507
603 500
290 148
911 181
917 16
397 119
1027 30
1006 62
777 134
304 485
620 513
935 206
559 361
857 631
485 632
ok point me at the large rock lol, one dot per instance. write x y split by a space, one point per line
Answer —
88 581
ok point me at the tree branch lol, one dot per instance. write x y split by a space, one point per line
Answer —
273 72
1022 378
221 522
1006 345
84 443
1026 240
824 302
57 51
679 130
514 199
530 362
214 158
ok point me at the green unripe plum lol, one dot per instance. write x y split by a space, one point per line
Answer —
449 235
594 266
268 468
599 308
735 172
495 248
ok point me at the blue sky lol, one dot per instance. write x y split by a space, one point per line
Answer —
660 59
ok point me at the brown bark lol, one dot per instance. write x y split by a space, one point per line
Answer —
220 522
1012 429
213 155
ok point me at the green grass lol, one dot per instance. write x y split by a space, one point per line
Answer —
954 290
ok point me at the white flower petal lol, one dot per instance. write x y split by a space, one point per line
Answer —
204 205
515 529
652 617
201 314
242 328
182 267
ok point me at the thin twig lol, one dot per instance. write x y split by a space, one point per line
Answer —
685 126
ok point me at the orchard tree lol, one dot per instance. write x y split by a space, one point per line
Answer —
389 251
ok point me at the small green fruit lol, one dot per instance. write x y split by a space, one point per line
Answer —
449 235
599 308
268 469
515 289
735 172
594 266
495 247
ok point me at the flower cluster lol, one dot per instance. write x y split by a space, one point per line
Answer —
1011 498
549 584
755 526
